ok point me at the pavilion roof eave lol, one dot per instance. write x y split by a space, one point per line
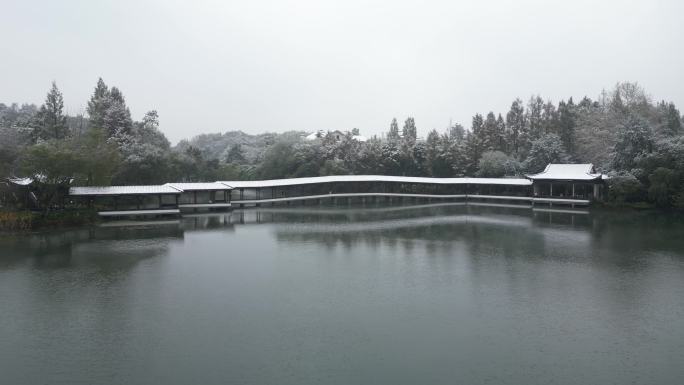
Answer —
567 172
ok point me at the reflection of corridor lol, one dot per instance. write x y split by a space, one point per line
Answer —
358 218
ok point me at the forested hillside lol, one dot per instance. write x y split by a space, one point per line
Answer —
624 132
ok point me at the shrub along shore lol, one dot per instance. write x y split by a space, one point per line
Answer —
22 221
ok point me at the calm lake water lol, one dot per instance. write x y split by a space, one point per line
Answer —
441 294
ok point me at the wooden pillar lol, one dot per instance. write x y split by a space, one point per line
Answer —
550 189
160 200
116 204
194 197
573 190
596 191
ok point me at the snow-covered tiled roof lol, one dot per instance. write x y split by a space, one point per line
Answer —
567 172
211 186
375 178
123 190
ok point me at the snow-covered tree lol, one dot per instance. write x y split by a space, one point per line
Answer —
545 150
634 139
235 154
107 110
495 164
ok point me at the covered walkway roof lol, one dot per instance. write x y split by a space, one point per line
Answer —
168 188
374 178
211 186
561 172
124 190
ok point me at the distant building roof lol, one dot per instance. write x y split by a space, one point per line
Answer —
375 178
567 172
20 181
121 190
40 178
320 134
313 136
211 186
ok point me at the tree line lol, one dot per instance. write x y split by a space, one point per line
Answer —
637 142
623 132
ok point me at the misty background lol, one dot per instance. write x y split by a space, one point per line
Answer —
258 66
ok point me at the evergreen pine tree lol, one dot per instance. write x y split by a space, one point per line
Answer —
534 117
117 117
501 135
549 119
489 134
98 104
51 121
117 120
566 125
409 131
473 147
476 126
669 121
393 131
517 129
456 133
432 154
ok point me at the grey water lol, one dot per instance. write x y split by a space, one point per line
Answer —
432 294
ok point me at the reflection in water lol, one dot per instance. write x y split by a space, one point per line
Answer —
110 247
124 242
443 293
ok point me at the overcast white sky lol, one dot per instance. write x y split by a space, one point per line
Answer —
256 66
